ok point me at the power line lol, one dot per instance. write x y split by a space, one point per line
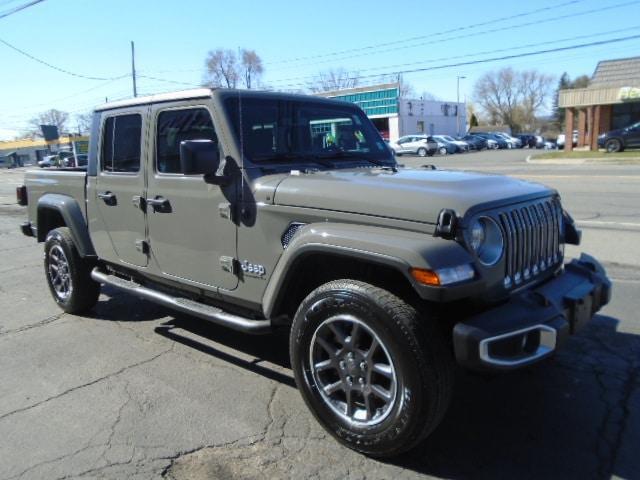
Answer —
19 8
465 36
431 35
62 70
486 52
492 59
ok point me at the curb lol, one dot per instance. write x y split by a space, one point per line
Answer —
582 161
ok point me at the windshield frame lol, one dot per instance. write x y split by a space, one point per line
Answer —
339 158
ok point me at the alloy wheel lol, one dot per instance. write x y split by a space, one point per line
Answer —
353 370
59 272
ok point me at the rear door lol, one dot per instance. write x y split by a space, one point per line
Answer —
192 237
119 228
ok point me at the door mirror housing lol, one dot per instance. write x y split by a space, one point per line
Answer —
199 157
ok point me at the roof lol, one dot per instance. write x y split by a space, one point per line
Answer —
622 72
613 81
204 93
160 97
350 91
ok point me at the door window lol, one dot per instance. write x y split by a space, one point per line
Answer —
175 126
121 143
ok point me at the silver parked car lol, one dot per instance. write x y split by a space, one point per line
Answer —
421 145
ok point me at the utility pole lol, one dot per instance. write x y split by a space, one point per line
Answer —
133 69
458 106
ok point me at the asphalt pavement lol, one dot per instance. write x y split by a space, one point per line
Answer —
135 391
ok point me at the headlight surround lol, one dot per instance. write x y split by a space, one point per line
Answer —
485 239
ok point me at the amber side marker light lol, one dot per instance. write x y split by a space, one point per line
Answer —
443 276
424 276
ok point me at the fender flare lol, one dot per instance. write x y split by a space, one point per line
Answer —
400 250
71 213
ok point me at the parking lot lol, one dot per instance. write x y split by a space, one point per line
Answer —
135 391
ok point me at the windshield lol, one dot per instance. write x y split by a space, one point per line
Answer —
447 137
290 131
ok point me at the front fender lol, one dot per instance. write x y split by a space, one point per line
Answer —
71 213
400 250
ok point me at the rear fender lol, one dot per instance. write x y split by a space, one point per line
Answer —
69 209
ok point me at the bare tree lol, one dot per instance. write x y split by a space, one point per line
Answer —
334 79
221 69
224 69
252 68
50 117
83 122
512 98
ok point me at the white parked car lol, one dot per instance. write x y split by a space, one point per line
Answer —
562 137
421 145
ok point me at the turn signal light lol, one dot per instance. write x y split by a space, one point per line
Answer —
424 276
443 276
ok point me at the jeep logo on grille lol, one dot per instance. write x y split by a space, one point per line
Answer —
252 269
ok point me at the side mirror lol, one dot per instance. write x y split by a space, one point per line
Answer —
199 157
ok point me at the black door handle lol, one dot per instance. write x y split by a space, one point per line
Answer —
159 204
108 198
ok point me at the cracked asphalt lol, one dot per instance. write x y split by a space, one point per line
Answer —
135 391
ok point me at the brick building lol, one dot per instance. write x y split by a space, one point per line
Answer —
611 101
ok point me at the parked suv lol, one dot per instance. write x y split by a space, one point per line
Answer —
421 145
620 139
261 210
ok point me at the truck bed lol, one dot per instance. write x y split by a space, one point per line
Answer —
70 182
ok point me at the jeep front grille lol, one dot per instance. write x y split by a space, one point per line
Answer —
532 239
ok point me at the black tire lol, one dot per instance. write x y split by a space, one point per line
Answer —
61 255
421 366
613 146
422 152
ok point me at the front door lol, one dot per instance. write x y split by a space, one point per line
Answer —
192 236
633 136
119 229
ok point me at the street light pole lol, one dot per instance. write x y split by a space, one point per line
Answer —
458 105
133 69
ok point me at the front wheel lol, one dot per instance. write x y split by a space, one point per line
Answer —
68 274
375 375
443 151
613 146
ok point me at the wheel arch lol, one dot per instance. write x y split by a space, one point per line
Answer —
56 210
319 253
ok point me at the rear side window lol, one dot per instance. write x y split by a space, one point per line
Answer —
121 143
175 126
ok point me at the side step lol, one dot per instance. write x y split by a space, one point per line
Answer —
184 305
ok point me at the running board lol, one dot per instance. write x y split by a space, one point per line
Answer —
184 305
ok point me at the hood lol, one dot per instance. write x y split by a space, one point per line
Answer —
408 194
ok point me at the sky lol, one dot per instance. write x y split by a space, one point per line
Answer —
295 39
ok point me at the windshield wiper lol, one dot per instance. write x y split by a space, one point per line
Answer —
347 154
304 157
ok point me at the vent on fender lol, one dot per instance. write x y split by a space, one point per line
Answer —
290 232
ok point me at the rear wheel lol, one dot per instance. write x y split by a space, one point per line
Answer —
68 274
614 145
442 150
375 375
422 152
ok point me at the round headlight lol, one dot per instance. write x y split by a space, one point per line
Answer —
485 239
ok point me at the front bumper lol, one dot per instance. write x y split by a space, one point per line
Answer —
533 323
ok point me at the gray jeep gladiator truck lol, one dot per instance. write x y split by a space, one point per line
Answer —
257 210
